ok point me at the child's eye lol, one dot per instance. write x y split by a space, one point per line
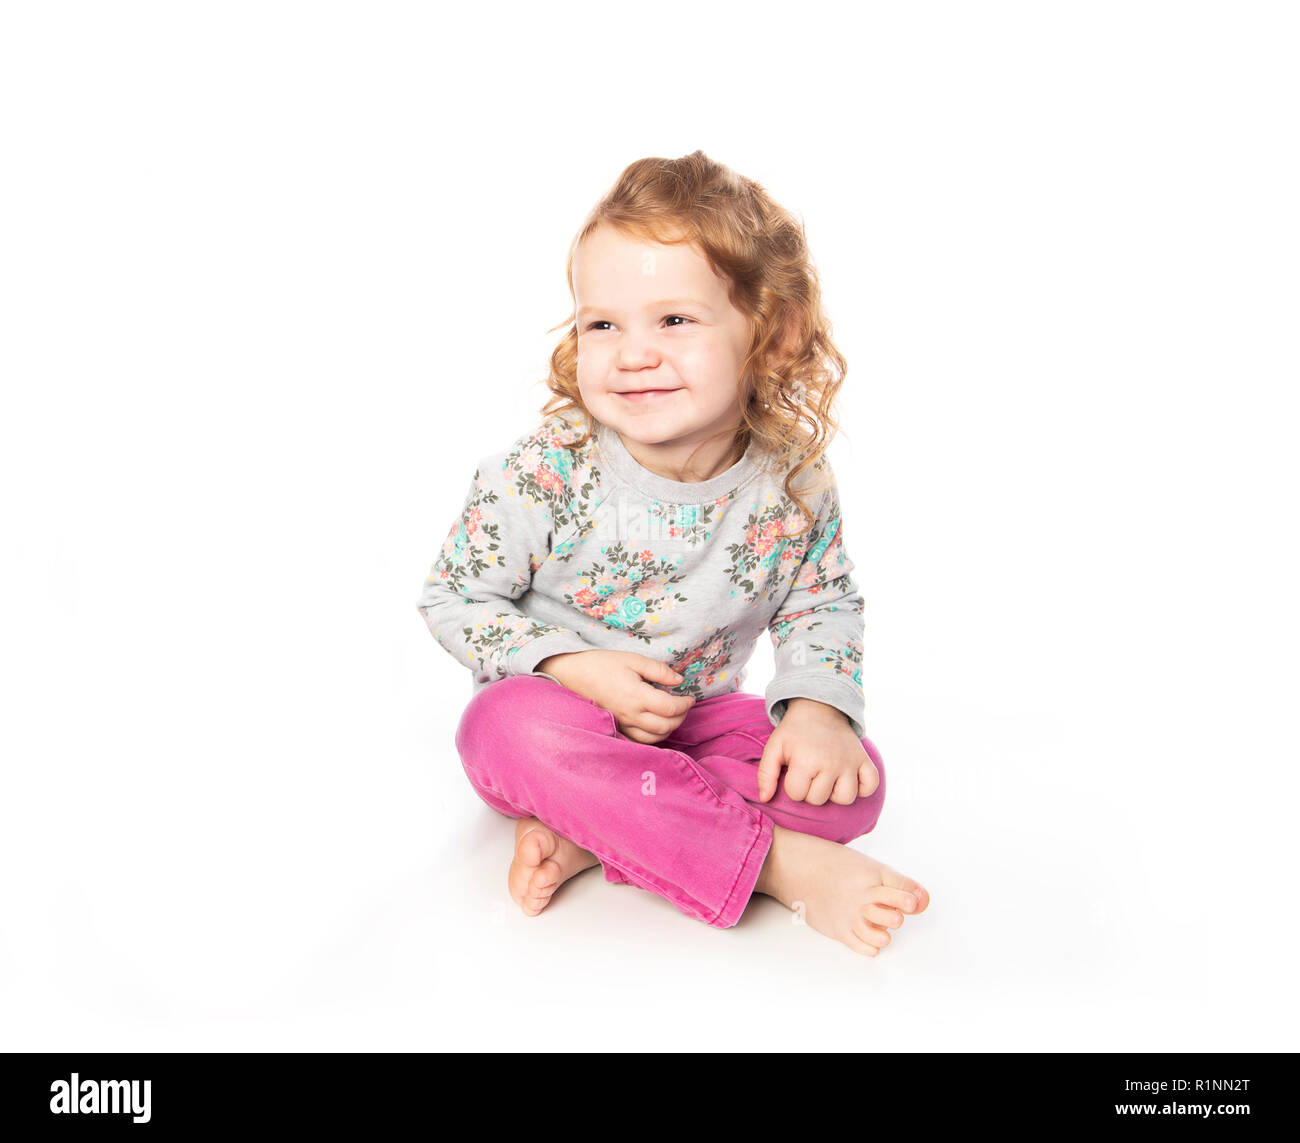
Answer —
670 317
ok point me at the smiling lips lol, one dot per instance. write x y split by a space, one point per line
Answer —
646 394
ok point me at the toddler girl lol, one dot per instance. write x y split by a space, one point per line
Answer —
613 569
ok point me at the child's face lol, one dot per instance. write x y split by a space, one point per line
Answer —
654 317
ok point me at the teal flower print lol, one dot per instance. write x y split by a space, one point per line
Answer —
606 592
782 630
816 552
560 459
689 523
702 665
846 659
630 610
548 470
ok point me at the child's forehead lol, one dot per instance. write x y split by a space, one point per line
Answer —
614 256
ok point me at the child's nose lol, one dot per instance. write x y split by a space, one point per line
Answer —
635 351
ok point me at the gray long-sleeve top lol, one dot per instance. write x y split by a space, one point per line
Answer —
561 549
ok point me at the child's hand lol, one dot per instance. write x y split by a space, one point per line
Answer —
825 760
620 682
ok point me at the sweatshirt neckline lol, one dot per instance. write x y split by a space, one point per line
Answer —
624 465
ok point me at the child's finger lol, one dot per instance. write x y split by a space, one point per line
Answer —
796 784
666 705
868 779
846 789
769 768
655 724
637 735
654 671
821 788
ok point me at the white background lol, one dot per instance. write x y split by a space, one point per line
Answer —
274 276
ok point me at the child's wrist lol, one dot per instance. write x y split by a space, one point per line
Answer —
549 664
814 708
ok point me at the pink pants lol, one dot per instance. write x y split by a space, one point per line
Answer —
680 817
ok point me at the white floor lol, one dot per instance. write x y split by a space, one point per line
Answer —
365 908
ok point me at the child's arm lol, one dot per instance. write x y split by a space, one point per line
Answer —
487 562
817 631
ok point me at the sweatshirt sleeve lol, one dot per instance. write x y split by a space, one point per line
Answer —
817 631
487 562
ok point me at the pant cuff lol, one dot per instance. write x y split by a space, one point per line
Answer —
750 868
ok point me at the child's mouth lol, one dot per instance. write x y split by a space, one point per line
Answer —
646 394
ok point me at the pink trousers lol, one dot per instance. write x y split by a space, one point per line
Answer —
680 817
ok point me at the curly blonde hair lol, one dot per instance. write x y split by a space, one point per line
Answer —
793 371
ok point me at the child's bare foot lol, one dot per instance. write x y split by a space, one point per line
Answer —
543 862
843 894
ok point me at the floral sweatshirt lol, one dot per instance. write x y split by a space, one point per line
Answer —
561 549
